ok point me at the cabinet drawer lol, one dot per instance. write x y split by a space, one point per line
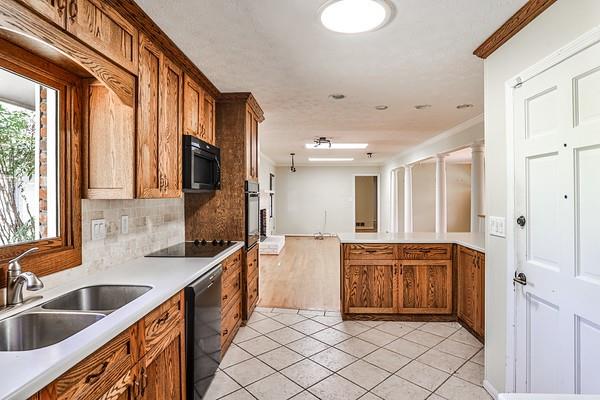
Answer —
231 289
231 320
426 252
370 251
252 292
95 375
161 320
232 265
252 262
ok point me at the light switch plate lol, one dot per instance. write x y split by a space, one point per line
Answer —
497 226
98 229
124 224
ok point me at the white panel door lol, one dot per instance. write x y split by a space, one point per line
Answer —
557 186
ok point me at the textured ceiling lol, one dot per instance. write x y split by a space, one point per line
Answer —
278 50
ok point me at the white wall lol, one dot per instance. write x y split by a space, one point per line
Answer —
266 168
305 196
458 137
562 23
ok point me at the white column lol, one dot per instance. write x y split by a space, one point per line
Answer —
393 201
477 185
441 204
408 208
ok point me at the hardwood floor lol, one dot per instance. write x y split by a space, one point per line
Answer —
305 275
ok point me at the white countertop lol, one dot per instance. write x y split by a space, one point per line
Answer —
26 372
472 240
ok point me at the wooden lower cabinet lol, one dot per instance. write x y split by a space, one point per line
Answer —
143 362
250 279
425 287
370 287
471 284
231 299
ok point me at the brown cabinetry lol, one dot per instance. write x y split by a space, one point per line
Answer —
231 299
53 10
370 287
108 144
471 284
146 361
250 282
198 111
252 149
99 26
425 287
159 124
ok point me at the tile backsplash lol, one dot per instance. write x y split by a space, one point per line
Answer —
153 224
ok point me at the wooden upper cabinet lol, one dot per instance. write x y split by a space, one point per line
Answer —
193 109
425 287
370 287
210 118
159 124
99 26
252 150
108 144
471 268
53 10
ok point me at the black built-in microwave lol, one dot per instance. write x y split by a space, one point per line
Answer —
201 166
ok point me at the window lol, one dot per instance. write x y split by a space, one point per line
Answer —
40 126
28 160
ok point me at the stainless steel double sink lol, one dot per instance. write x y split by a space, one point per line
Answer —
60 318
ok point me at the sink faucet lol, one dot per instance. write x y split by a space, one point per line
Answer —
16 280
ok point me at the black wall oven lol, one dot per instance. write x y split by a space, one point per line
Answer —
201 166
252 214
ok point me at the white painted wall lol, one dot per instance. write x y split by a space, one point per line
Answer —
265 169
305 196
562 23
458 137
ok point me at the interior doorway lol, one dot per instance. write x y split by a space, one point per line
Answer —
366 203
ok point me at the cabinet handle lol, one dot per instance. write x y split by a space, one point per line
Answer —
144 381
163 319
225 297
136 387
225 332
94 377
73 10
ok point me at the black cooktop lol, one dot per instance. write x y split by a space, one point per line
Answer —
197 248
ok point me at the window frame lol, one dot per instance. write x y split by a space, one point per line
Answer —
64 251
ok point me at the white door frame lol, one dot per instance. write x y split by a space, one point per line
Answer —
378 200
583 42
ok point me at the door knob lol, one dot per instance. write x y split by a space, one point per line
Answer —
520 278
521 221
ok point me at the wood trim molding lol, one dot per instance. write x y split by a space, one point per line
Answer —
138 17
510 28
235 97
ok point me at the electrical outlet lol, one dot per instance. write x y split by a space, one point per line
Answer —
98 229
124 224
497 226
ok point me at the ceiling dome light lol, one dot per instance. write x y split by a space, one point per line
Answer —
381 107
463 106
355 16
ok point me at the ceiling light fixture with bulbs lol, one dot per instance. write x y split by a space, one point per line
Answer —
337 146
356 16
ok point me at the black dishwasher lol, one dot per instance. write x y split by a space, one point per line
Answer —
202 332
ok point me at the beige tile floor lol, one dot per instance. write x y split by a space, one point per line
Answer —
305 355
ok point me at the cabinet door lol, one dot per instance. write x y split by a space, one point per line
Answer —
108 144
126 387
425 287
480 295
193 109
159 124
255 148
170 94
99 26
370 287
53 10
162 372
209 119
467 286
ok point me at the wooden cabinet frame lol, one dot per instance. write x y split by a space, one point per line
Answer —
425 275
375 299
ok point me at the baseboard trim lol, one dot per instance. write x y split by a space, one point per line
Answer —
490 389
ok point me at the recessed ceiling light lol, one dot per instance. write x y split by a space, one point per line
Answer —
462 106
381 108
321 159
422 106
355 16
337 146
337 96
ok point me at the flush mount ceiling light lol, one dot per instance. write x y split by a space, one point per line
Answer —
320 159
463 106
337 96
356 16
422 106
381 108
337 146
